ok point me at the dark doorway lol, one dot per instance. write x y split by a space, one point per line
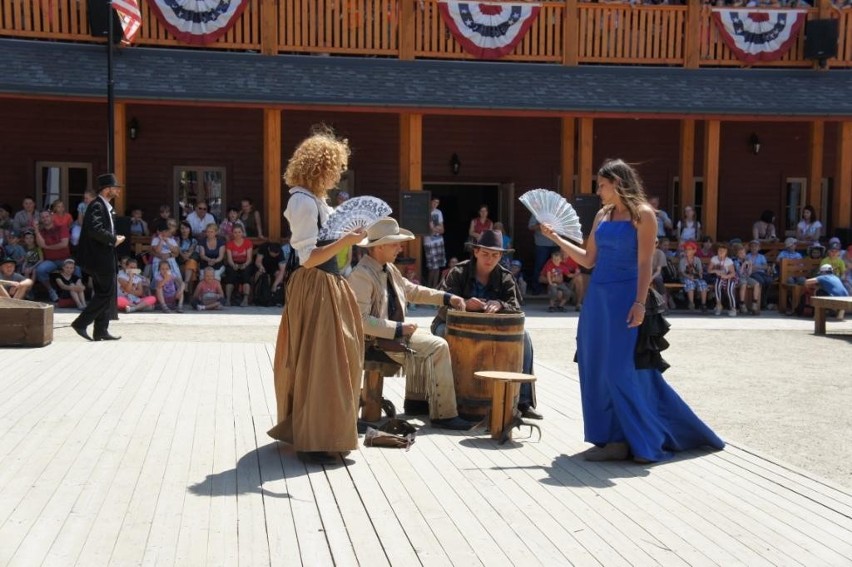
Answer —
460 203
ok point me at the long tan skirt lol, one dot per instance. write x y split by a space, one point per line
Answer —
319 356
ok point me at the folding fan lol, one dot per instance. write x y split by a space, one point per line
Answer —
357 212
551 208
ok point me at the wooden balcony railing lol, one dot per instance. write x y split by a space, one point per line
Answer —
602 33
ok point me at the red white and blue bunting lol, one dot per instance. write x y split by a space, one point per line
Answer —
487 30
759 35
198 22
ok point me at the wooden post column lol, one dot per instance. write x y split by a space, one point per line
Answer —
712 130
406 30
568 155
692 55
570 35
816 144
120 165
841 205
272 173
687 164
269 27
411 169
584 163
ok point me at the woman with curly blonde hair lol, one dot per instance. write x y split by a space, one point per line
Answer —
320 348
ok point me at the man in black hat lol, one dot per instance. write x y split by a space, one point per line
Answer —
96 256
488 287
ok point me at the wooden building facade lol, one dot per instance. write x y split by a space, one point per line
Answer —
220 122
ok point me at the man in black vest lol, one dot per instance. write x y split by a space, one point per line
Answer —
96 256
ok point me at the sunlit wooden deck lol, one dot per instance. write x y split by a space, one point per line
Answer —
160 456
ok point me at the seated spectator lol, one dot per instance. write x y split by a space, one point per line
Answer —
238 266
69 286
211 250
826 283
450 265
834 260
789 253
658 262
13 248
208 294
706 250
164 248
164 214
726 279
809 228
672 258
506 260
169 289
27 217
688 228
133 292
742 267
12 283
138 227
199 219
187 258
760 268
816 251
561 275
77 226
61 217
664 222
764 229
515 269
251 219
411 276
847 281
232 219
270 263
53 241
691 275
5 219
32 255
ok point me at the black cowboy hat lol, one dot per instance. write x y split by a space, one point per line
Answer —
108 180
491 240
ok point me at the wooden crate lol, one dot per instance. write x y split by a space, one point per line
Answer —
25 323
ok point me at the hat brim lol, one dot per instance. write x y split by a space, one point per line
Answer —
494 248
403 236
8 261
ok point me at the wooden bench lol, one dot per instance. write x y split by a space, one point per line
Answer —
821 303
803 268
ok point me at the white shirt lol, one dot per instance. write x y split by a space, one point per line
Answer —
109 214
301 213
198 224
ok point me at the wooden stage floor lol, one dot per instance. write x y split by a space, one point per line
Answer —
159 456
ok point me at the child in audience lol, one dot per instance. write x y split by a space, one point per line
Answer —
411 276
450 265
226 229
827 283
32 255
164 248
169 289
556 273
706 250
515 268
744 280
13 248
834 260
69 287
208 294
138 227
13 285
726 279
133 293
691 275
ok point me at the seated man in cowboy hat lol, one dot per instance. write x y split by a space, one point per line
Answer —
489 287
382 295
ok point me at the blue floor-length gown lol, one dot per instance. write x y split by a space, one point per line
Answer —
621 403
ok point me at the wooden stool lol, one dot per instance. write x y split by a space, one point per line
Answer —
371 392
504 393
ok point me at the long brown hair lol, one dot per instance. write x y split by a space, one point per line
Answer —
628 186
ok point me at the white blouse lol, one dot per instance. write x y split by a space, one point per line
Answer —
301 213
810 231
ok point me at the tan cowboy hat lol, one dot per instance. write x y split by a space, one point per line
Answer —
385 231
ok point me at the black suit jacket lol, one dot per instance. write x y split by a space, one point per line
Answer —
96 250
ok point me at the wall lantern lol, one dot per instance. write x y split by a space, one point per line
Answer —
754 142
455 164
133 128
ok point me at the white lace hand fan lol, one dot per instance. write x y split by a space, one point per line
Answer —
357 212
551 208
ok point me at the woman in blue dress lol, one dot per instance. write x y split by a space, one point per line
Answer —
627 412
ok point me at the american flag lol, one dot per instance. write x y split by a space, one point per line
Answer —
130 17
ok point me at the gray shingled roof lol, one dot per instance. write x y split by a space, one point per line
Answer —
79 70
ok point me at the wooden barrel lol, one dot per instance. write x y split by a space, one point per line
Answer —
482 341
25 323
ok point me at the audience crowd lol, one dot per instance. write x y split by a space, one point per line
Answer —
198 262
